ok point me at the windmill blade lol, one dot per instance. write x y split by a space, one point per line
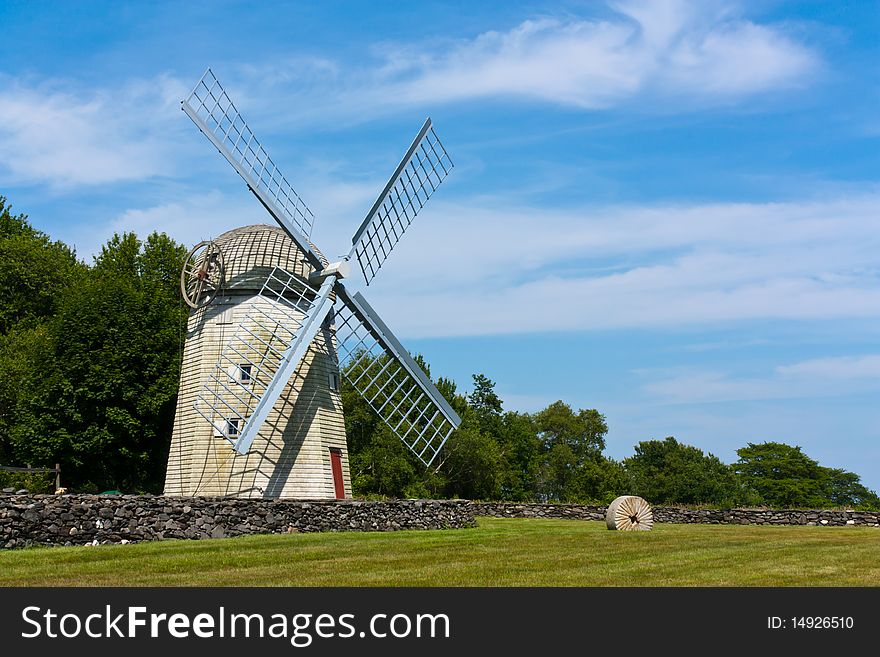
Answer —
424 166
390 381
263 353
211 109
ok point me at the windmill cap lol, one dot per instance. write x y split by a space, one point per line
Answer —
250 253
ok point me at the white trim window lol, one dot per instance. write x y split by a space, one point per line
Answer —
241 373
227 428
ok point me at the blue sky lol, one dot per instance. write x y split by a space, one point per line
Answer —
667 211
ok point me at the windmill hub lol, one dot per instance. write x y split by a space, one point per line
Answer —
340 269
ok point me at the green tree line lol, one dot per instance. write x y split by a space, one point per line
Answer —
90 363
89 356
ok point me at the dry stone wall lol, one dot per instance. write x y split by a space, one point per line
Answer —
27 520
686 516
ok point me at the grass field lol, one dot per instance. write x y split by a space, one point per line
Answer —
496 553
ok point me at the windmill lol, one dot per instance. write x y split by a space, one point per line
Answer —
271 317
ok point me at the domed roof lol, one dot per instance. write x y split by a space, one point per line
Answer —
251 252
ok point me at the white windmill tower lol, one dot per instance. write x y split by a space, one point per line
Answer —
273 326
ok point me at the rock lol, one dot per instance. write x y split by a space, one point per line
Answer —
218 532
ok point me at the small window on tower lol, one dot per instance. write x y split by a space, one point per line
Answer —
240 373
226 428
225 316
334 381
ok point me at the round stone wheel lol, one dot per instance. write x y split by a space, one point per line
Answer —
629 513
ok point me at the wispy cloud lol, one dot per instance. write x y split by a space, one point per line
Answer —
685 54
488 268
65 138
840 368
189 218
502 269
820 377
663 48
190 214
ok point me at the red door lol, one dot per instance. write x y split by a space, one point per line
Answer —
336 464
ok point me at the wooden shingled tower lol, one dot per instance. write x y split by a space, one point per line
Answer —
302 441
273 330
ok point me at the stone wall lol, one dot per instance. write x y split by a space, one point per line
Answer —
91 519
677 515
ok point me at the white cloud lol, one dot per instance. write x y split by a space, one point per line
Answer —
697 387
820 377
664 48
188 219
691 54
191 216
839 368
687 54
492 269
63 138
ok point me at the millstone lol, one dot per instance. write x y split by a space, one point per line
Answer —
629 513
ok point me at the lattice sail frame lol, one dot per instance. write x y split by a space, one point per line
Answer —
424 166
399 398
210 103
273 322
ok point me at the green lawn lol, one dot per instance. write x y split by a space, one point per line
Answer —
496 553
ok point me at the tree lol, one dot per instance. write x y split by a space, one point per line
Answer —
28 378
558 475
471 464
519 456
583 432
383 466
101 379
483 398
782 475
13 225
570 441
449 391
601 480
846 489
669 472
34 272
